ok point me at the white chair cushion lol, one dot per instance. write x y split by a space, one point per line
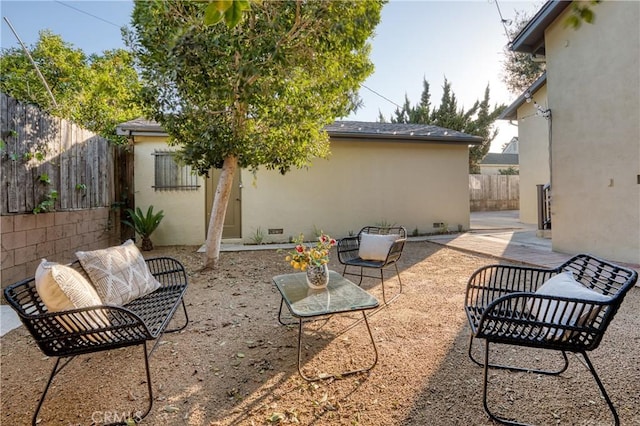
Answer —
62 288
375 247
562 312
119 274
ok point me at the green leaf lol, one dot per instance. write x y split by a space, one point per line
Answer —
212 15
233 15
222 5
143 224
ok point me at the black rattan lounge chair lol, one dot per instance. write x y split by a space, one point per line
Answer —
510 305
374 247
66 334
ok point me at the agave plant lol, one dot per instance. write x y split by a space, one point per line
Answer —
144 225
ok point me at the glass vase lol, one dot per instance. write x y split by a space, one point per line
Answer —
318 276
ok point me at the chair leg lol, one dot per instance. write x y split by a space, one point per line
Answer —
55 371
485 384
186 322
149 387
384 297
135 415
344 272
562 369
398 274
486 365
616 419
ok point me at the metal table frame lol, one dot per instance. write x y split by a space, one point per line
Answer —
340 296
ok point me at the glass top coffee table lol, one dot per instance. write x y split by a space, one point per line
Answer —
304 303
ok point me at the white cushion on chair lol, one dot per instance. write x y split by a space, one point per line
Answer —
375 247
562 312
119 274
62 288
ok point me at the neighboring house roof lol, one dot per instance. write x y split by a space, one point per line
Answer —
343 130
531 38
494 158
511 112
511 147
398 131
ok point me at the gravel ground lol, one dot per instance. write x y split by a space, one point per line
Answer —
236 365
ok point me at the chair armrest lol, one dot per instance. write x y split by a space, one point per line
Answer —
495 281
85 330
347 249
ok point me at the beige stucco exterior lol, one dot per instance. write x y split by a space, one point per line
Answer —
593 92
414 184
410 184
184 211
533 138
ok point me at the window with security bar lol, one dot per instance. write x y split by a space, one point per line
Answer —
171 176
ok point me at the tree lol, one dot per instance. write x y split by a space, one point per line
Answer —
96 92
519 69
257 94
509 171
477 121
581 11
229 11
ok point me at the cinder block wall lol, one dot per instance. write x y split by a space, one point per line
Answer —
56 236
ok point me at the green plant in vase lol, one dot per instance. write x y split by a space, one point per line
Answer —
144 225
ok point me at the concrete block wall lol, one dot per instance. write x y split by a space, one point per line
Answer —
56 236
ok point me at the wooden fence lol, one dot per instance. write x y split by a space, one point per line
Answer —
494 192
51 164
71 177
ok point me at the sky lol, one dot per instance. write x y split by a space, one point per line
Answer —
460 40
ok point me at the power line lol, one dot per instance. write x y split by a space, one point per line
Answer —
90 14
382 96
503 21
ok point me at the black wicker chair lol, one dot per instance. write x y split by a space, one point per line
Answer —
502 306
66 334
349 254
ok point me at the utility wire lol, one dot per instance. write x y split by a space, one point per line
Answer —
382 96
503 21
87 13
26 51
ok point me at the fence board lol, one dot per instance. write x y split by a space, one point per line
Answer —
494 192
72 156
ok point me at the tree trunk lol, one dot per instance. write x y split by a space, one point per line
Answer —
218 211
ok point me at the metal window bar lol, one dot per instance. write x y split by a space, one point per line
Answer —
169 175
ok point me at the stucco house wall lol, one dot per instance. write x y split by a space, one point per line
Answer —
594 94
417 181
363 183
184 210
533 137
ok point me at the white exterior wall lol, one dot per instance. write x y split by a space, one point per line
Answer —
184 212
363 183
593 78
533 144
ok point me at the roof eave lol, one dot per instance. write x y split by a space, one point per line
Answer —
531 38
473 140
511 112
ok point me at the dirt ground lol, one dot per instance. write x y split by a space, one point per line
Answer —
235 364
